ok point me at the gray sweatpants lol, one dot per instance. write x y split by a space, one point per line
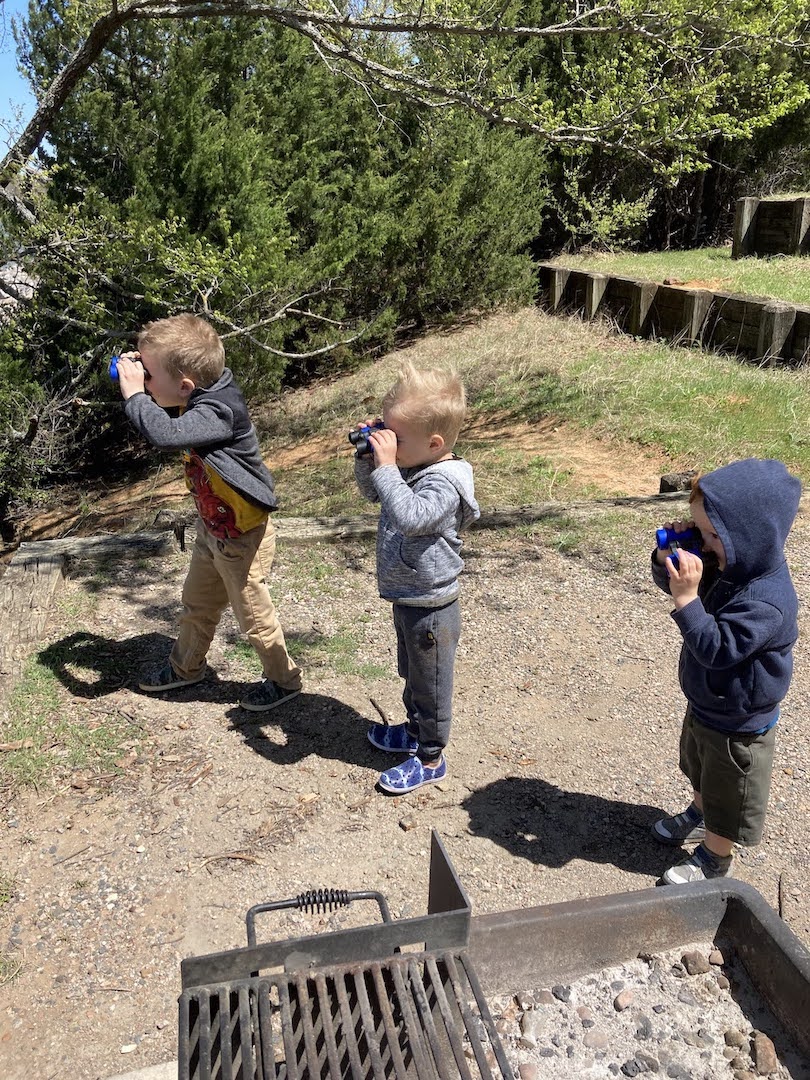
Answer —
426 654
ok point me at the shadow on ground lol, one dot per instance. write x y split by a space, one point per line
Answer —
309 724
535 820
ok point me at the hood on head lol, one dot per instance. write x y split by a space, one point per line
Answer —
752 505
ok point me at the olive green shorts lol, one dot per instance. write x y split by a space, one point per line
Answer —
732 773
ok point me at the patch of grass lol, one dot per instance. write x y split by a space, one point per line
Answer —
243 653
511 477
8 886
337 651
783 277
697 407
54 737
686 408
326 489
10 968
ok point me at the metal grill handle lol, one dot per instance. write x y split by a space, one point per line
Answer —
313 901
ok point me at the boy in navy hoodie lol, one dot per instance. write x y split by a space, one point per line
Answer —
736 609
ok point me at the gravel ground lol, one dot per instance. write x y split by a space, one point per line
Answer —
685 1014
564 751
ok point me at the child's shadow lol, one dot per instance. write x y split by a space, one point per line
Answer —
310 724
545 824
91 666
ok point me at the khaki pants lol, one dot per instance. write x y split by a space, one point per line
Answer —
232 572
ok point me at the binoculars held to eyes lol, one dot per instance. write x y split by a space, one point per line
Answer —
670 540
359 438
114 368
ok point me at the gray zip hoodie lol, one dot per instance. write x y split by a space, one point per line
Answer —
422 512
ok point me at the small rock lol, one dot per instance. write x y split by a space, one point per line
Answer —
723 982
643 1027
676 481
631 1068
736 1038
595 1039
584 1013
528 1071
695 963
408 822
716 958
561 993
128 1048
650 1063
623 1000
544 997
764 1054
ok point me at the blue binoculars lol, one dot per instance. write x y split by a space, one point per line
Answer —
359 439
670 540
114 367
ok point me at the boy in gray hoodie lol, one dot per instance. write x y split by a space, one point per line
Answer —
427 499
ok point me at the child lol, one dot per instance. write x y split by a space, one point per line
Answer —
426 498
181 363
737 614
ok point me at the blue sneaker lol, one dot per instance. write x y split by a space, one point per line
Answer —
410 775
392 737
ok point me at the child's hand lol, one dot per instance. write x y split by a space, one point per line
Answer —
131 375
684 581
384 443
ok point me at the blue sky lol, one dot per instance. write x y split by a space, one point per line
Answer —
14 90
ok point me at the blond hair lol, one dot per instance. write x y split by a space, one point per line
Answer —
432 399
188 346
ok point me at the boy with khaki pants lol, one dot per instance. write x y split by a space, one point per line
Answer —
180 363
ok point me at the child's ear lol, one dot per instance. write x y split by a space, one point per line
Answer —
436 443
186 388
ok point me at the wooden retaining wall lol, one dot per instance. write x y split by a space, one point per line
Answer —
760 330
771 227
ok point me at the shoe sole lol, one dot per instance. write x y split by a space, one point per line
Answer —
390 749
149 689
694 837
273 705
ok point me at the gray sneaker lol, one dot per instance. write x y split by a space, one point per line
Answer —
266 695
166 678
701 865
682 828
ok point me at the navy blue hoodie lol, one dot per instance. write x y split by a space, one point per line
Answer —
737 656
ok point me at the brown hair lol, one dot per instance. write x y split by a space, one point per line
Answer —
696 492
433 399
188 346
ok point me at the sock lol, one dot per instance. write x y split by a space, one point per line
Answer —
718 861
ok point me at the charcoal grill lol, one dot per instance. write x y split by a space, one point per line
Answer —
397 998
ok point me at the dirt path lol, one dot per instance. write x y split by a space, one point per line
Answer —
564 750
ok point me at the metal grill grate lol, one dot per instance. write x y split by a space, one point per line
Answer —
351 1003
417 1015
